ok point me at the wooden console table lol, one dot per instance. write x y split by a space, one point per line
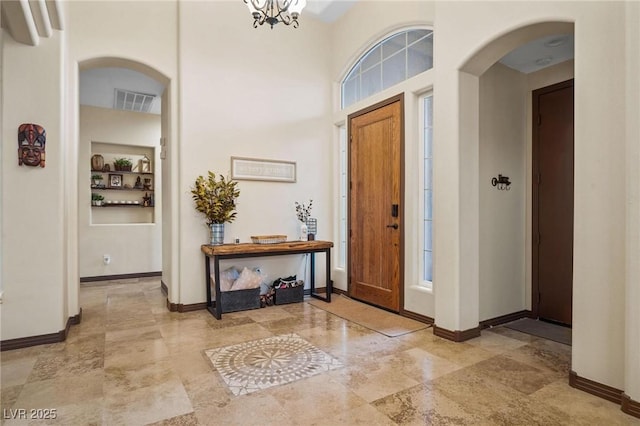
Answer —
236 251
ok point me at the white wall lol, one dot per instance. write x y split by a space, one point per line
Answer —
33 279
269 94
141 35
599 265
632 353
598 339
502 217
1 163
133 247
505 216
257 93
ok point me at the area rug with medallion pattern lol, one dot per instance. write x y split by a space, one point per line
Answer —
260 364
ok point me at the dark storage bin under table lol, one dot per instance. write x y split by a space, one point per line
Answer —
240 300
288 295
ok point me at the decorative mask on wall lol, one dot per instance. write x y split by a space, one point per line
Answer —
31 144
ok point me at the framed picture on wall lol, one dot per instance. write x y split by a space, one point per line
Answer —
259 169
115 181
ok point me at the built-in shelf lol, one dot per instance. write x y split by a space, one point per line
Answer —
121 172
106 188
125 205
122 188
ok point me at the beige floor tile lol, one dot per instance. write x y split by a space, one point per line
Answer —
8 396
149 332
495 343
74 357
421 405
121 380
254 409
147 404
518 376
227 321
421 365
190 364
132 362
85 412
378 381
16 371
207 391
529 413
365 415
462 354
183 325
135 352
513 334
311 399
59 391
477 394
582 408
270 313
183 420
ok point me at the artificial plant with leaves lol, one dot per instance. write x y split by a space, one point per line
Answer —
122 162
215 198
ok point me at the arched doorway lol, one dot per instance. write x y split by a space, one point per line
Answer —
494 133
163 209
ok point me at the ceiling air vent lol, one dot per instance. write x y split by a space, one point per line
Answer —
133 101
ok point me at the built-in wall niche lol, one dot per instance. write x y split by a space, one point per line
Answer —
121 193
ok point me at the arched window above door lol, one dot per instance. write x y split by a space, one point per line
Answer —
391 61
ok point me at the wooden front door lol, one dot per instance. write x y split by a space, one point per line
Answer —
552 274
375 204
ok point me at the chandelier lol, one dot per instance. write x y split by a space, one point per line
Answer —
274 11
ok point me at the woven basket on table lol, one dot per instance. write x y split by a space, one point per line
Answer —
268 239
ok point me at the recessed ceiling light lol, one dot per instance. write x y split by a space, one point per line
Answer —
556 41
544 61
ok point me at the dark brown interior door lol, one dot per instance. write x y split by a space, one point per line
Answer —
553 202
375 205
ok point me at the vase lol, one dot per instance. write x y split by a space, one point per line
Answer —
217 234
97 162
312 226
303 231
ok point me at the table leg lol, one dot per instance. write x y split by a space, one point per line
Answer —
207 269
328 288
312 273
327 257
216 271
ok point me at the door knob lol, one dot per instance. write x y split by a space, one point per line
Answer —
394 226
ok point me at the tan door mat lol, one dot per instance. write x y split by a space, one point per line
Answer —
375 319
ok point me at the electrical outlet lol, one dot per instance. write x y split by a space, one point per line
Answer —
106 259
